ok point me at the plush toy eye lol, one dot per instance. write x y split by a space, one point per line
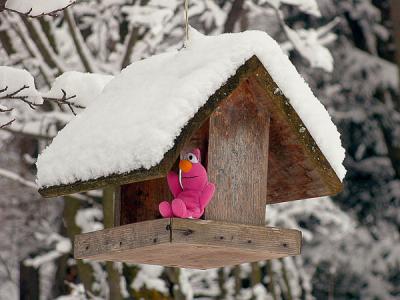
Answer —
192 158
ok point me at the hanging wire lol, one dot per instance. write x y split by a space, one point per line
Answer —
186 21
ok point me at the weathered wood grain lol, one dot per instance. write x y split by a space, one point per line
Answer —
139 200
188 256
297 169
117 206
122 238
188 243
232 235
238 158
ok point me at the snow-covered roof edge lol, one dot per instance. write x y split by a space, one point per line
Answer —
236 49
310 110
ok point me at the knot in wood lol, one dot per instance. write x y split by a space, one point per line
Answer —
187 232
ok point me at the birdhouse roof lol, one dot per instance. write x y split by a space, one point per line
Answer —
141 113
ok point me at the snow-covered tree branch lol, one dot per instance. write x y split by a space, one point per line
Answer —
19 86
35 8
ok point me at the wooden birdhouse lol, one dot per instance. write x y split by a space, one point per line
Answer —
263 135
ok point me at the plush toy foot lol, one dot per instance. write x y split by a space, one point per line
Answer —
197 213
179 208
165 209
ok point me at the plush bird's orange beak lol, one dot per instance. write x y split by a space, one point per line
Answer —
185 165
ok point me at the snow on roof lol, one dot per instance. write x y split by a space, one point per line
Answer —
85 86
143 109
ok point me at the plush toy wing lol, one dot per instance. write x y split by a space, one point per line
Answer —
173 183
207 194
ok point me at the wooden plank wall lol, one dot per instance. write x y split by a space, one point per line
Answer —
238 159
139 201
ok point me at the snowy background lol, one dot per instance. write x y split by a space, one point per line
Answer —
346 50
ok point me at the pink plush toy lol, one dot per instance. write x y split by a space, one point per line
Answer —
191 190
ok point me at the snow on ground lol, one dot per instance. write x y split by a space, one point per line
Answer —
13 79
86 86
37 7
143 109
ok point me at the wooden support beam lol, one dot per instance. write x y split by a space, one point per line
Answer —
117 206
238 158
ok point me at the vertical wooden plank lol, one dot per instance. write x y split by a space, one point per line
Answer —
238 158
108 202
139 201
113 277
117 206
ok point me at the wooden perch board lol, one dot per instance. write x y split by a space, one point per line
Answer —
188 243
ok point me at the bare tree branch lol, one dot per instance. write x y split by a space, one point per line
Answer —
14 96
34 53
6 110
279 16
233 15
13 176
80 45
65 101
7 124
28 13
48 32
133 38
46 52
24 133
5 39
7 268
2 4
